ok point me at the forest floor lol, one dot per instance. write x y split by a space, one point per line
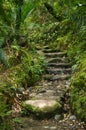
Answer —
55 84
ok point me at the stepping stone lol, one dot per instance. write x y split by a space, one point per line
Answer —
58 59
48 50
56 77
58 71
55 54
59 65
41 107
45 96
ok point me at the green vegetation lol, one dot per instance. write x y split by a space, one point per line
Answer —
78 88
25 27
20 64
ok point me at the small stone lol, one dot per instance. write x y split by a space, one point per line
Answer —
20 90
73 117
46 127
53 128
32 94
58 117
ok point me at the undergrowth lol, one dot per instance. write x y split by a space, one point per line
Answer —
26 68
78 88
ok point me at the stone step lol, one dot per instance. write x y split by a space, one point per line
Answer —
55 54
45 97
58 59
48 50
58 71
59 65
46 47
56 77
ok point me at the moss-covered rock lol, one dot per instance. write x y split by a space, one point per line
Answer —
41 107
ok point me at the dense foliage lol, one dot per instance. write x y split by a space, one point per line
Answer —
20 64
26 26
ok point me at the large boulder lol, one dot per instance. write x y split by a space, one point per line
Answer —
42 107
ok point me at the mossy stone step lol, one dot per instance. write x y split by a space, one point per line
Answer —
48 50
59 65
56 77
58 71
55 54
57 59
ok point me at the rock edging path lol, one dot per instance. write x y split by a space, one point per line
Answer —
50 97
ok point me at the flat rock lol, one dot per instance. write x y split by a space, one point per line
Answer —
58 71
57 59
41 106
56 77
73 117
55 54
59 65
45 96
58 117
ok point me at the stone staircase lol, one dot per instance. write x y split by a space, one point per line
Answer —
58 66
51 89
49 99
